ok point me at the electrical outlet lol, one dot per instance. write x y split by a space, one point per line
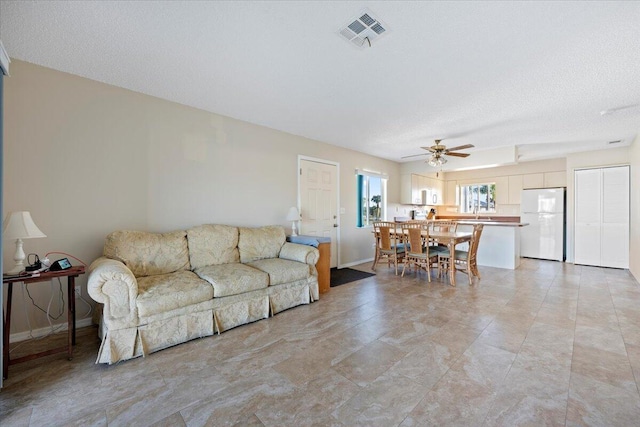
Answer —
78 290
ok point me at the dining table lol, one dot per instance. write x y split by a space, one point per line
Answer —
451 239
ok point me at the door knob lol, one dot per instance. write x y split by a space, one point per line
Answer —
335 225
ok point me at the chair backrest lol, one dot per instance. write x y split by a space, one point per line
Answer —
384 237
475 240
414 236
444 226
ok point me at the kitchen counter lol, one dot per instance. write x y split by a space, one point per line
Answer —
499 243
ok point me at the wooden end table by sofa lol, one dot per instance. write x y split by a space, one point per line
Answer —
324 262
70 274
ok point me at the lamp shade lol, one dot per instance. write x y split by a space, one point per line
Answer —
293 214
19 225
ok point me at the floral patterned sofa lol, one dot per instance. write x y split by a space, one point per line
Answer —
159 290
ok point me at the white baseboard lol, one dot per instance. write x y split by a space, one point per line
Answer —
41 332
351 264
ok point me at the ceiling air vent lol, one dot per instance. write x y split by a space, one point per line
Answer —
362 30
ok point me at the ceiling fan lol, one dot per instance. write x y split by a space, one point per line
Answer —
438 151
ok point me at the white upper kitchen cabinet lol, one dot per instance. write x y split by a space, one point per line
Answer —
602 217
533 180
424 189
502 190
555 179
450 194
405 189
515 189
438 191
417 189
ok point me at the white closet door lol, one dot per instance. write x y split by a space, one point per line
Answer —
588 209
615 217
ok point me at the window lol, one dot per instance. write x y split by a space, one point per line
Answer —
478 198
372 197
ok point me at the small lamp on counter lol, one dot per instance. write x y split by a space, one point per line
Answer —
18 226
293 216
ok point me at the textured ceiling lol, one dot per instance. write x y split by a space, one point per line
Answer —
494 74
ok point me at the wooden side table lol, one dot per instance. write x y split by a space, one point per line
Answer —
324 263
70 274
324 271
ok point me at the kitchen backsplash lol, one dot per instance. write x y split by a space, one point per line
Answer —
501 210
404 210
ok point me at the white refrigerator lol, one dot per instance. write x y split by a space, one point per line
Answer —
544 210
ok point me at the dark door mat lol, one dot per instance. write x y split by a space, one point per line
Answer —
347 275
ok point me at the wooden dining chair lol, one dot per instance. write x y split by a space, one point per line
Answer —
464 261
445 226
418 252
389 244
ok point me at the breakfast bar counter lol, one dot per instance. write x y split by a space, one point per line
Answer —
499 244
492 223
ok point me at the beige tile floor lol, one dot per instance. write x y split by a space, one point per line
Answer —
547 344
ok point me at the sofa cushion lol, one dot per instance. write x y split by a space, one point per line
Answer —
233 279
165 292
282 270
213 244
148 254
260 243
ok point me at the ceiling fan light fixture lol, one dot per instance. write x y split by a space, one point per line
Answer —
439 151
436 161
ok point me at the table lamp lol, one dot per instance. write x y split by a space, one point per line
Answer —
293 216
19 225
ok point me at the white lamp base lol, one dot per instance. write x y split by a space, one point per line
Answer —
18 257
293 228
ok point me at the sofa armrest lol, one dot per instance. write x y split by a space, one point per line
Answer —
301 253
111 283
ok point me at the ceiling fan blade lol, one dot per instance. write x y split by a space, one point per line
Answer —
428 149
414 155
458 154
461 147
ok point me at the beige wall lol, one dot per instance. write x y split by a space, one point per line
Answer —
634 244
86 158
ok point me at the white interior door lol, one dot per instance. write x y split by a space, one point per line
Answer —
318 202
588 214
